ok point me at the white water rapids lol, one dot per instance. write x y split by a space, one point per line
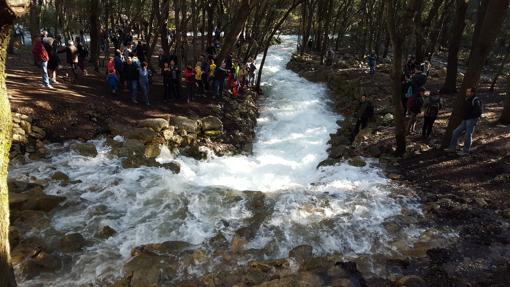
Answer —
337 209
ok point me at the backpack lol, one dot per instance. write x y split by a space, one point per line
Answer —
409 92
477 109
414 104
433 109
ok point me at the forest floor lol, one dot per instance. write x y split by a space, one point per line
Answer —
76 110
466 194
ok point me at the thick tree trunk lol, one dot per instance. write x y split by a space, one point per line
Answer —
235 29
35 19
95 11
489 30
9 10
450 84
163 29
397 24
211 6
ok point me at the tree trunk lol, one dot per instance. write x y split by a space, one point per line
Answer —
211 6
397 24
499 71
163 29
95 11
236 27
327 23
9 11
436 30
480 16
450 84
489 30
35 19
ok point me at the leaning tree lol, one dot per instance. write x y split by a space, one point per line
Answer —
9 11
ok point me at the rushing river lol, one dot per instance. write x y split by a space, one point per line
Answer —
338 209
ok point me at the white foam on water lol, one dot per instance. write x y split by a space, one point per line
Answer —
336 209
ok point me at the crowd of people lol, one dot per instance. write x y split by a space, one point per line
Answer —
129 69
418 100
46 50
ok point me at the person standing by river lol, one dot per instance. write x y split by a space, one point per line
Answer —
220 75
41 58
364 113
472 112
431 106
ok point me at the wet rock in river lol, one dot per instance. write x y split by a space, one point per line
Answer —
34 201
301 252
163 248
106 232
60 176
411 281
72 242
85 149
30 220
357 161
147 269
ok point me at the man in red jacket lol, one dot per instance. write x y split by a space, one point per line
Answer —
41 58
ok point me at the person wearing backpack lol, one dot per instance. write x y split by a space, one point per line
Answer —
472 112
431 106
414 105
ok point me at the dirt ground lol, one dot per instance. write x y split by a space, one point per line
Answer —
77 109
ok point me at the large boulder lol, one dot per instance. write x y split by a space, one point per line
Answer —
85 149
61 177
34 201
357 161
163 248
147 270
155 124
211 123
184 123
301 252
30 220
130 147
38 263
106 232
152 150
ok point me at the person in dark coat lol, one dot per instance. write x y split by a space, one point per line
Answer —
431 107
472 112
364 113
131 75
54 61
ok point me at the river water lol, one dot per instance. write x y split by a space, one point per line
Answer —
338 209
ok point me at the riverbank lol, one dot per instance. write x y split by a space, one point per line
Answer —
466 195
